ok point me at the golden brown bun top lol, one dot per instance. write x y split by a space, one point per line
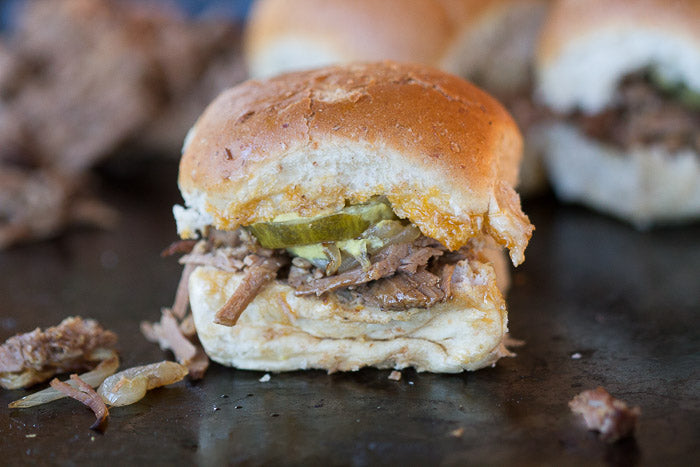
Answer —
357 30
445 153
568 20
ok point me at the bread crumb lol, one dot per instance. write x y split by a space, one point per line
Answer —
576 356
395 375
457 433
265 378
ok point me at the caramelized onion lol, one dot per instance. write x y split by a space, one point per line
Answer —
130 385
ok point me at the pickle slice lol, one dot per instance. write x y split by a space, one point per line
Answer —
348 223
307 231
676 89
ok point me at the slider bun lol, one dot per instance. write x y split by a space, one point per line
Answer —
642 185
442 151
292 35
492 40
279 331
587 47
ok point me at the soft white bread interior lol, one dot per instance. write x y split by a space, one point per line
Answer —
280 331
643 185
443 152
588 47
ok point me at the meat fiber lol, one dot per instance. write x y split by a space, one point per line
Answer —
33 357
611 417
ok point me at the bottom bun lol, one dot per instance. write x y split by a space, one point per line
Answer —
644 185
280 331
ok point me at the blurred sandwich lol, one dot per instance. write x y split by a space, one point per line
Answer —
347 217
624 79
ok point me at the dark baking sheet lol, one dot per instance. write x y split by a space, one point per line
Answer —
627 301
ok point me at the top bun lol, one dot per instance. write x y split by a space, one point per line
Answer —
442 151
284 35
587 47
492 40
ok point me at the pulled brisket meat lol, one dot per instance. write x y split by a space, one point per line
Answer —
169 335
259 272
84 394
33 357
398 277
644 115
611 417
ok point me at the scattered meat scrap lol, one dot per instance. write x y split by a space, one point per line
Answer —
168 334
86 395
94 378
395 375
130 385
457 433
605 414
75 344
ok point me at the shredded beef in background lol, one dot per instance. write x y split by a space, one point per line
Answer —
81 80
605 414
644 115
38 203
33 357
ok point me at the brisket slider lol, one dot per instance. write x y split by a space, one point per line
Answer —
624 79
346 217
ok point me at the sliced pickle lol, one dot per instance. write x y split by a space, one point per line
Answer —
348 223
690 99
307 231
676 89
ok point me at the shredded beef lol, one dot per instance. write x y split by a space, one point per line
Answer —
258 272
398 277
179 246
35 356
402 291
84 394
611 417
384 263
169 335
644 115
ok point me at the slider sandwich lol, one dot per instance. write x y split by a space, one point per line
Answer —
351 216
623 78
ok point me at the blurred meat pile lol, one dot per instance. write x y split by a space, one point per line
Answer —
81 80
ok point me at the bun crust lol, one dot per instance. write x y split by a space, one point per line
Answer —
444 153
493 39
292 35
279 331
587 47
